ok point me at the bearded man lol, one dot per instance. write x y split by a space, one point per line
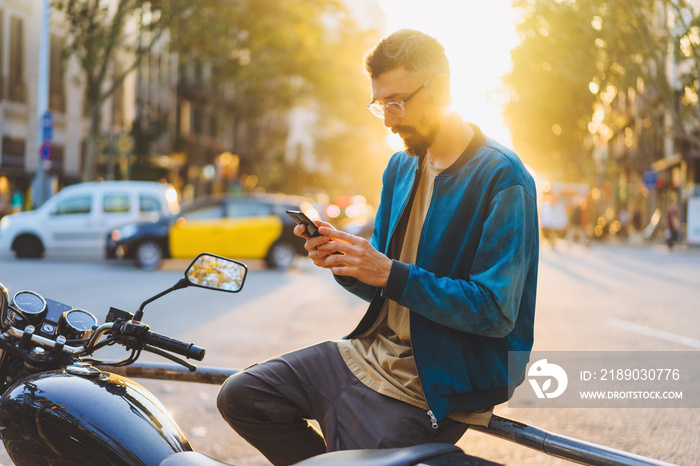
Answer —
450 274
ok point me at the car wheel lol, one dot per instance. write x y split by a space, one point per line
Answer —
149 255
28 247
281 256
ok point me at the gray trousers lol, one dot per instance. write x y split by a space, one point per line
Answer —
268 404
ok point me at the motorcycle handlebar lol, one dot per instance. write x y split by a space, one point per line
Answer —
17 333
188 350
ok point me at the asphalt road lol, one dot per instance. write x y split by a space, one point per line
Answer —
602 297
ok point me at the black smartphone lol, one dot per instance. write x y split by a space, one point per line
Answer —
301 218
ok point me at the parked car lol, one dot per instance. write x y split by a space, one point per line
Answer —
77 219
245 227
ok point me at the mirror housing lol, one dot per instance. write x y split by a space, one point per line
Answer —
216 273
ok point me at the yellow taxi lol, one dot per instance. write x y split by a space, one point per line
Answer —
241 227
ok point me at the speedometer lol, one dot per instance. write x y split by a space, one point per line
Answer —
29 302
77 324
30 306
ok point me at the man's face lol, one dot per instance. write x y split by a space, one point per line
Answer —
420 124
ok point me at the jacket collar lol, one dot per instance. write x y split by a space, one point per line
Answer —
478 140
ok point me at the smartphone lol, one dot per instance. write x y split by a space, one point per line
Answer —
301 219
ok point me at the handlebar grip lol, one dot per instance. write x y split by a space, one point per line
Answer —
188 350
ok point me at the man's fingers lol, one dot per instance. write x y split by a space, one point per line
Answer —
332 246
300 230
316 242
345 271
338 235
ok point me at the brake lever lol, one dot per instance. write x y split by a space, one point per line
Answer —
166 355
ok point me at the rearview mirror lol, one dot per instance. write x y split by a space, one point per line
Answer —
216 273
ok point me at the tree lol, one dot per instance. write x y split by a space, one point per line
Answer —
578 58
96 35
275 55
349 136
261 58
549 99
684 38
657 42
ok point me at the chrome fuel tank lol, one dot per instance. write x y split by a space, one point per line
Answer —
61 418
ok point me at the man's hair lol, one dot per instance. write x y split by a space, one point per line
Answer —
413 50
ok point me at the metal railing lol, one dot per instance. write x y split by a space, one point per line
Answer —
578 451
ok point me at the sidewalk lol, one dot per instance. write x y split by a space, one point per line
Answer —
632 241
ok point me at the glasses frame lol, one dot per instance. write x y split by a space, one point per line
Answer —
396 108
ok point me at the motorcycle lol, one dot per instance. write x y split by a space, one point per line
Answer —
61 405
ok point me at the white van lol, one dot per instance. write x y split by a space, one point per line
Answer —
77 219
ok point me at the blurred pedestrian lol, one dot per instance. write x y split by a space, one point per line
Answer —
576 231
554 219
672 226
450 274
636 221
623 218
17 201
635 228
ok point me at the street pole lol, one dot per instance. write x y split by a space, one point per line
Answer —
40 185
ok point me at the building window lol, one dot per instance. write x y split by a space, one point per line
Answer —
13 152
57 81
57 158
118 100
17 89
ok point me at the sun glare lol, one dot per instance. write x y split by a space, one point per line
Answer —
478 37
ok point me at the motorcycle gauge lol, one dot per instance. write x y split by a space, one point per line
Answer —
76 324
29 307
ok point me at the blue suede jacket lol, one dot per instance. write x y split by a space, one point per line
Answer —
472 290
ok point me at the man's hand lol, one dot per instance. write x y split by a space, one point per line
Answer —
312 244
345 254
357 257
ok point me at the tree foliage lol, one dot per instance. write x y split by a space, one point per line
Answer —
96 34
685 40
263 57
578 56
550 103
277 55
259 45
349 136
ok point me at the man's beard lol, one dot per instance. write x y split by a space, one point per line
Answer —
416 144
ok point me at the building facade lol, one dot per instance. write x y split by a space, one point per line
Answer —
171 118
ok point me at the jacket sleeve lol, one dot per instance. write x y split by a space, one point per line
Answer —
487 301
356 287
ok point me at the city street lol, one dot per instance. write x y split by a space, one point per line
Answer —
604 297
146 129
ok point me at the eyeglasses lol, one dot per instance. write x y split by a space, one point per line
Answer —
396 108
